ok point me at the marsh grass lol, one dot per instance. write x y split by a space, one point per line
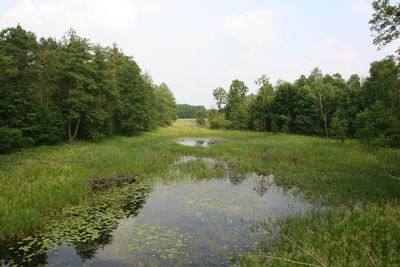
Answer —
369 236
37 182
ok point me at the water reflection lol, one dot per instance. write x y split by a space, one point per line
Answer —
76 241
11 257
200 223
199 141
193 223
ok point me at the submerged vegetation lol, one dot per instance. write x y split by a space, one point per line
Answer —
352 180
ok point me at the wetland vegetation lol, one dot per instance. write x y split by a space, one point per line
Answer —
246 191
337 201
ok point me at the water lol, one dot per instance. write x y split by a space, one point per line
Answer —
190 223
200 142
210 162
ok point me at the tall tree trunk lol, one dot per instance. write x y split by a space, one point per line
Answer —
71 135
397 102
324 115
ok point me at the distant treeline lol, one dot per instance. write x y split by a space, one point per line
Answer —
188 111
317 104
72 89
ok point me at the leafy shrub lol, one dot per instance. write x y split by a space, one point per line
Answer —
376 125
200 117
11 139
218 122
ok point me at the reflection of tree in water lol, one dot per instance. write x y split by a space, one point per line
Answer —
17 257
132 206
87 250
98 220
236 178
199 142
262 185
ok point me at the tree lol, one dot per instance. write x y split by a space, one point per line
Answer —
76 80
201 117
383 84
339 126
217 120
165 105
220 97
354 82
188 111
96 122
260 108
18 72
236 107
323 93
375 121
385 22
56 90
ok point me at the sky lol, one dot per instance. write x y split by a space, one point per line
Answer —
195 46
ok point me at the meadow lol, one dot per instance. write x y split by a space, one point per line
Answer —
358 185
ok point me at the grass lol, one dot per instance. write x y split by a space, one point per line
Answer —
369 236
37 182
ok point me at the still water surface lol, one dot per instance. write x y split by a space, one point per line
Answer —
192 223
199 141
187 223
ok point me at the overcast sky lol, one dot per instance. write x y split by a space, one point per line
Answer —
197 45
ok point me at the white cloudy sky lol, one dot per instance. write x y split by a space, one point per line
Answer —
196 45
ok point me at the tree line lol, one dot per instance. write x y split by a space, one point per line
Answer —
188 111
325 105
55 90
317 104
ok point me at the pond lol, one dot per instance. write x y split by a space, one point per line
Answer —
199 141
190 223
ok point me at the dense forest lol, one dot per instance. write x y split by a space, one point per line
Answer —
188 111
72 89
318 104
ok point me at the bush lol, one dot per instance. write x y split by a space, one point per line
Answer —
200 117
218 121
11 139
377 125
394 140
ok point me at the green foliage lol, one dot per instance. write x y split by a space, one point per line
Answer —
217 121
220 96
323 171
383 84
10 139
186 111
165 105
260 107
377 124
339 127
368 236
236 106
385 22
201 117
53 91
321 105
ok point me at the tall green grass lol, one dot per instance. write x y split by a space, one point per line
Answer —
39 181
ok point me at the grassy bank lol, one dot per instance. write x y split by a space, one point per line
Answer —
38 181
